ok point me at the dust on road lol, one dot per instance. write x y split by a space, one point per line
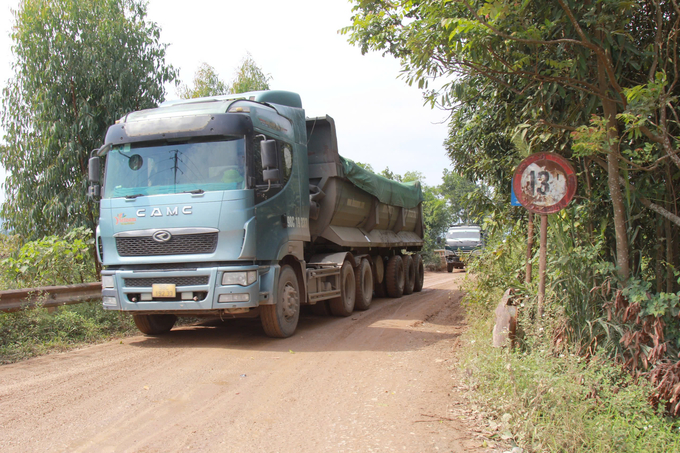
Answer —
378 381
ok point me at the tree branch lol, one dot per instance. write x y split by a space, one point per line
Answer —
602 53
599 51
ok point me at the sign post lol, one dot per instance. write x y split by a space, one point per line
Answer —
544 183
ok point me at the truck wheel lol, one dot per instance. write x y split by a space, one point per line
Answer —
449 267
394 276
344 305
364 286
280 320
420 273
409 274
154 324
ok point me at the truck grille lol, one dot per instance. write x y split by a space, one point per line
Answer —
198 280
186 244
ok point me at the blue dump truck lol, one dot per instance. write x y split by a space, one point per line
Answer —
240 206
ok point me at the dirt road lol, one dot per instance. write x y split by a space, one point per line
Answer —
378 381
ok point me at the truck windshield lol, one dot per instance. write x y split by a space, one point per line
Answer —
463 235
136 170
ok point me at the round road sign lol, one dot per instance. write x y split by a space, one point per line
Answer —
544 183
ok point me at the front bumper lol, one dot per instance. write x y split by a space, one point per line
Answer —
197 289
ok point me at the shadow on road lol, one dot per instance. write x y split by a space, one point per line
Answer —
408 323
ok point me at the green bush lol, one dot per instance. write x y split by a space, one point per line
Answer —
567 387
500 265
52 260
564 403
33 332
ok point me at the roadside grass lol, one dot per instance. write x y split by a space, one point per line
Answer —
547 402
32 332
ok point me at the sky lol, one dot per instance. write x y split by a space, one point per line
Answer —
380 120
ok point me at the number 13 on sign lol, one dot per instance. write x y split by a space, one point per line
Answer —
544 183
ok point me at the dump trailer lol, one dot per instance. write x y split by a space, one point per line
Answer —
240 206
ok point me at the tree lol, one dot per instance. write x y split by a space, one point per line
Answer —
80 65
387 173
368 167
206 83
249 77
456 190
548 68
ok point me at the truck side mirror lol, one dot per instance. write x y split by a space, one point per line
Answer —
93 169
268 152
93 192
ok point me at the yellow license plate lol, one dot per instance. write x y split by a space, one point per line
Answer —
163 290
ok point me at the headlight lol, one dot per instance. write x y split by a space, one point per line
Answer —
108 281
239 278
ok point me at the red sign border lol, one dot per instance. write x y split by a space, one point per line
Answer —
568 171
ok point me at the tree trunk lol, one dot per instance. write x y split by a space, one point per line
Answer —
658 265
669 257
613 175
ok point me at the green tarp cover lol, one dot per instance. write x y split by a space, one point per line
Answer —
406 195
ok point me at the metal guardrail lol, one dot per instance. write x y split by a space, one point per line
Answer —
48 296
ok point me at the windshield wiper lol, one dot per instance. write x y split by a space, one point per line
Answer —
130 197
197 191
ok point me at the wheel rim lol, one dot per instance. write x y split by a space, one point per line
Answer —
289 303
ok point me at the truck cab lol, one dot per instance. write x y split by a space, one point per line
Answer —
461 242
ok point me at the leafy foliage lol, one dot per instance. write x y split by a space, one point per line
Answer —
459 192
562 403
50 261
250 77
559 390
368 167
80 65
206 83
32 332
541 71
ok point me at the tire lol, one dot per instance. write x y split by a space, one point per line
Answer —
343 306
154 324
378 270
363 286
449 267
394 277
420 273
280 320
409 274
378 283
